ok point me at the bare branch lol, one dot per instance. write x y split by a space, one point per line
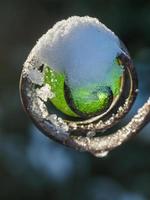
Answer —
99 145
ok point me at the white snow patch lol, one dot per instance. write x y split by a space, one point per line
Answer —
82 48
36 76
45 92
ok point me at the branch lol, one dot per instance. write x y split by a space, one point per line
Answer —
99 146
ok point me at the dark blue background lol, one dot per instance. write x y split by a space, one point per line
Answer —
32 166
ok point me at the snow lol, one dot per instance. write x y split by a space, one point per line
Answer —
82 48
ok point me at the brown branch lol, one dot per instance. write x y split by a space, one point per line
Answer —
99 146
55 128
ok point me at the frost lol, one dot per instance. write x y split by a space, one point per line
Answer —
45 92
91 134
59 123
36 76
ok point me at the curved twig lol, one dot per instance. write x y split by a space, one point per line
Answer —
99 146
54 127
